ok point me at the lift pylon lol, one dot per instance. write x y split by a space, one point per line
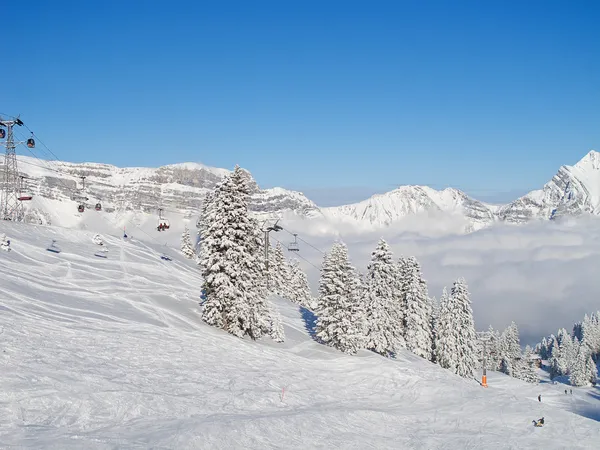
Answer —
11 208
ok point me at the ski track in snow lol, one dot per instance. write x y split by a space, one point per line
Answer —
111 353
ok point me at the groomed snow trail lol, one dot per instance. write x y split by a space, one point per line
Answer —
111 353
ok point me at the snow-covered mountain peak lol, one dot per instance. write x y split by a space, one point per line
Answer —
384 209
591 161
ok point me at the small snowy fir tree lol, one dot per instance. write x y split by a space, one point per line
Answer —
417 317
298 288
340 322
231 261
4 243
186 244
276 330
382 334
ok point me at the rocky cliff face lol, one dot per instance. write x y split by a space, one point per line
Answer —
573 191
179 187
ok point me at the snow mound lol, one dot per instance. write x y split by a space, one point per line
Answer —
110 353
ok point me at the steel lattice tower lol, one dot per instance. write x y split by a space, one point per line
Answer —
10 207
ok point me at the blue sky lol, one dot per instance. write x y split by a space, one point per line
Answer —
490 97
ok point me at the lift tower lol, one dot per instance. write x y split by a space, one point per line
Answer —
10 206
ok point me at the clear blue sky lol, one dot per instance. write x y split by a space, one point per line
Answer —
362 96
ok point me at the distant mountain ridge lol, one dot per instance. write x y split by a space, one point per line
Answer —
573 191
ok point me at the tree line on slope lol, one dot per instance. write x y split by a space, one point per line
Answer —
389 308
574 354
386 309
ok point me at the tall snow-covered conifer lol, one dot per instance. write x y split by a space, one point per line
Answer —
340 321
455 334
417 317
299 290
231 262
467 358
383 333
186 244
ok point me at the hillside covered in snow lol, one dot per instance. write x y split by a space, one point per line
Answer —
179 189
112 353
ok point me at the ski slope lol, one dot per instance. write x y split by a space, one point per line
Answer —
111 353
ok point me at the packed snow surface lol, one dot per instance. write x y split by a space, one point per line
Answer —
110 353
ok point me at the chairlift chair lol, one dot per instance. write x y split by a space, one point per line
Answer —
293 246
163 224
24 195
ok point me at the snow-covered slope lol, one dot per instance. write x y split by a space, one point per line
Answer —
110 353
573 191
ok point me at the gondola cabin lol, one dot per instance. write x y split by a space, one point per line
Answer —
2 133
30 143
98 207
80 208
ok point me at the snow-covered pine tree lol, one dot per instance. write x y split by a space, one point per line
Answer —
446 334
510 350
382 335
186 244
232 265
467 358
279 272
276 331
568 351
587 333
527 370
555 359
339 323
298 288
492 348
203 221
417 317
544 353
435 310
578 370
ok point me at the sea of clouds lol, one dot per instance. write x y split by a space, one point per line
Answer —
542 275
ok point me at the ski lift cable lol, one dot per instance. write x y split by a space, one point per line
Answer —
306 242
298 255
103 217
92 193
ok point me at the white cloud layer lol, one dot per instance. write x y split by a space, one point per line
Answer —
541 275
